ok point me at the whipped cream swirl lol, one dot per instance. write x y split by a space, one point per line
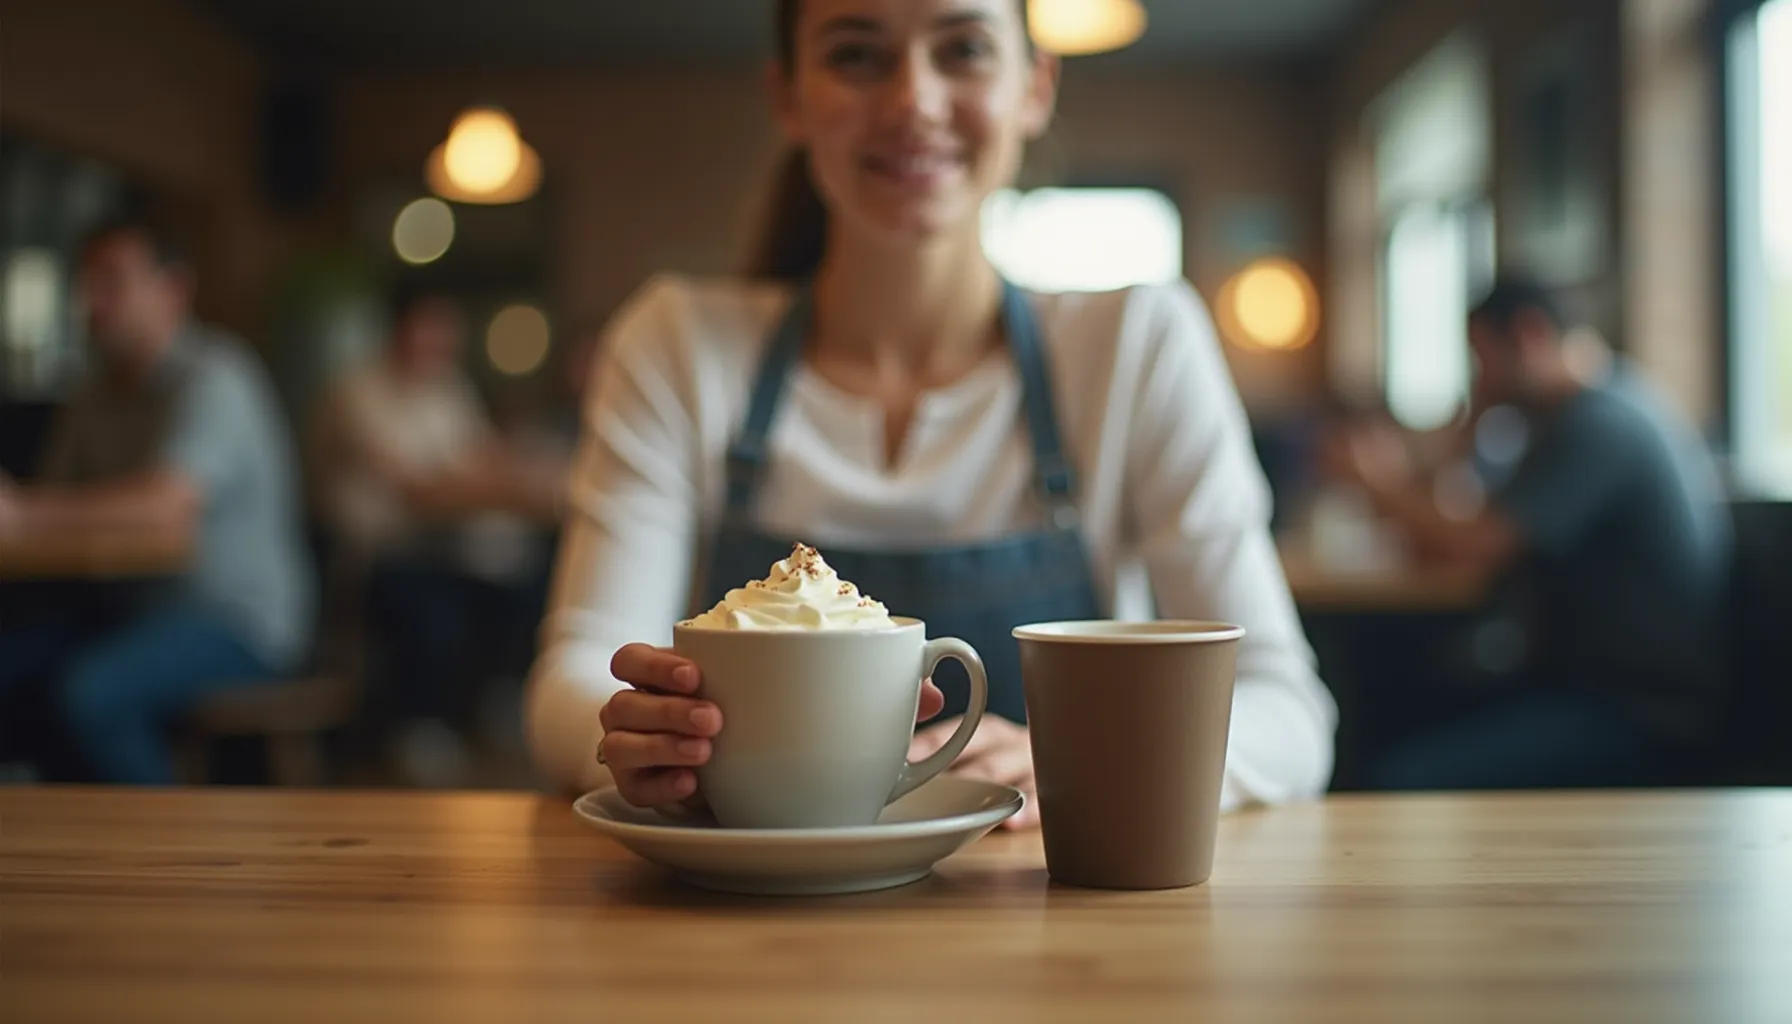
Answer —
801 592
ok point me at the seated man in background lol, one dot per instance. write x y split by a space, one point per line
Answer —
1613 526
423 492
176 430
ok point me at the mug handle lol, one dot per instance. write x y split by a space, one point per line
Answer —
935 652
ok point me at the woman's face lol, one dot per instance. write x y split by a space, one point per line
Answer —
913 111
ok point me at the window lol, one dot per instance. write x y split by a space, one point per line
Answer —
1760 101
47 199
1436 253
31 315
1083 239
1432 138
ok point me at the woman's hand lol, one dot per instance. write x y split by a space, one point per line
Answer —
658 733
999 752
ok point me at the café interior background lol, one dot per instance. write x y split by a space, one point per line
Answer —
1337 177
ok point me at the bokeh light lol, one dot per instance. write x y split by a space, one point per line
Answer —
1270 304
423 231
517 340
483 150
1074 27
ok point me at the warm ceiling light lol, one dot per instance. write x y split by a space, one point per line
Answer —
423 231
484 160
483 150
1270 304
517 340
1077 27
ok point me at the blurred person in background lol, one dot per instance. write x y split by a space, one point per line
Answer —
971 454
1612 525
176 430
420 489
540 432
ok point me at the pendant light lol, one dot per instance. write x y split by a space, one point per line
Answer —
1080 27
484 160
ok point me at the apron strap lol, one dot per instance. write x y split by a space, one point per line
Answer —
1057 481
748 454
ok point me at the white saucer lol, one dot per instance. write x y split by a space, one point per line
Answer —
914 833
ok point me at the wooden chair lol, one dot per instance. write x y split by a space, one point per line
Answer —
1759 740
293 716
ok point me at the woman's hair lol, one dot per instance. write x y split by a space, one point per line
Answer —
795 229
794 233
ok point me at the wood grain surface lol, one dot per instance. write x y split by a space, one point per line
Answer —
1409 587
106 555
266 905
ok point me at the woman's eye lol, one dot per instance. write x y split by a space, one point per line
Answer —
854 57
967 50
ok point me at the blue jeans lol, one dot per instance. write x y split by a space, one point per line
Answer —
1539 739
115 690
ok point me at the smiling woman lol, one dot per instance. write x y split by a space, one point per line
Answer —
978 455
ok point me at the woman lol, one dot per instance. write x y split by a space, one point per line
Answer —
967 453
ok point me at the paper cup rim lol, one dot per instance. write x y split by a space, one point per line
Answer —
1110 631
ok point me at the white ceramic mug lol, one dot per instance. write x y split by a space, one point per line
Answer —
816 725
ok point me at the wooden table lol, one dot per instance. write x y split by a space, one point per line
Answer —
1423 588
93 556
318 907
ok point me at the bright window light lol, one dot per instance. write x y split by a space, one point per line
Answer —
1761 233
1083 239
1426 314
32 299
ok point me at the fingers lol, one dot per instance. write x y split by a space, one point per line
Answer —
656 787
1008 764
932 701
654 735
634 751
654 668
642 711
999 752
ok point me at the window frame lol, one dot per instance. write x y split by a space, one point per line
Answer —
1743 297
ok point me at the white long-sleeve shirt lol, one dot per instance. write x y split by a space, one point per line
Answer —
1168 484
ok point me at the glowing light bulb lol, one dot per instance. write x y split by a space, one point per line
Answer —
1077 27
1270 304
483 150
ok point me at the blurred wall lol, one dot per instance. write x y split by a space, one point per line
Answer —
1232 146
1400 34
1655 138
1671 206
646 170
655 170
169 99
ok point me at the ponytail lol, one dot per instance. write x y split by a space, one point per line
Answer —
794 233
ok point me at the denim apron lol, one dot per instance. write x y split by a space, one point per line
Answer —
976 592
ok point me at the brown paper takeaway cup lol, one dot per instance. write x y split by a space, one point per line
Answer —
1129 724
